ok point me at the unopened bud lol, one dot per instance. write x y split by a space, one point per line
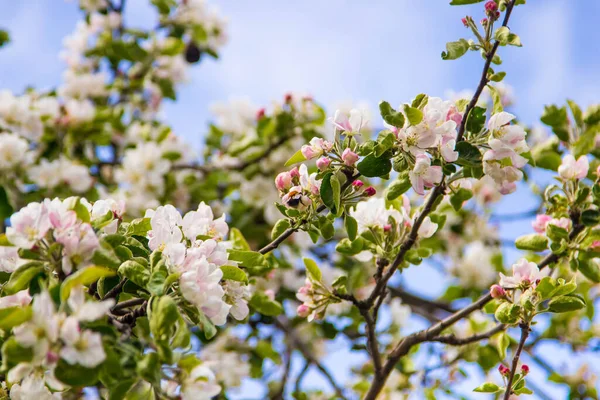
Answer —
357 184
288 98
503 369
491 7
524 369
260 114
465 22
303 311
387 228
497 291
484 21
370 191
323 163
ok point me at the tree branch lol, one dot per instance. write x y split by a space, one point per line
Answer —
515 362
484 79
451 339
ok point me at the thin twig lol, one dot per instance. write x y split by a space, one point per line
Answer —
515 361
127 304
456 341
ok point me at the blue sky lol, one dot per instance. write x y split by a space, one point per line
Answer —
341 50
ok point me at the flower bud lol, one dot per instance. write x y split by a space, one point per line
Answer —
260 114
283 181
454 115
524 369
270 294
294 173
497 291
491 7
465 22
503 369
349 157
288 98
484 21
387 228
370 191
323 163
303 311
357 184
308 152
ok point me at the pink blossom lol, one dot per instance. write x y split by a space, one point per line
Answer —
571 169
424 175
349 157
540 223
357 184
349 123
464 21
315 148
303 311
524 369
454 115
563 222
524 273
29 225
323 163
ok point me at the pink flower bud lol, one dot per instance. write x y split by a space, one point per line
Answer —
370 191
503 369
283 181
357 184
323 163
491 7
465 23
51 357
288 98
484 21
303 311
387 228
270 294
260 114
294 173
497 291
349 157
595 245
524 369
308 152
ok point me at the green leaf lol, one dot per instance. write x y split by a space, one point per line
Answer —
264 305
6 210
414 115
135 272
557 119
348 247
455 50
21 277
4 242
163 317
533 242
546 287
505 37
247 258
76 375
351 227
280 226
4 37
458 198
14 316
105 256
139 227
83 277
420 101
149 368
590 270
498 76
487 387
476 119
503 343
391 116
296 158
468 155
372 166
156 283
330 192
566 304
234 273
576 111
590 217
398 187
208 328
239 242
13 353
313 269
508 313
496 100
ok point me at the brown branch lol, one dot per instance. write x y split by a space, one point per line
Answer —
484 78
127 304
114 292
411 299
515 361
372 342
451 339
